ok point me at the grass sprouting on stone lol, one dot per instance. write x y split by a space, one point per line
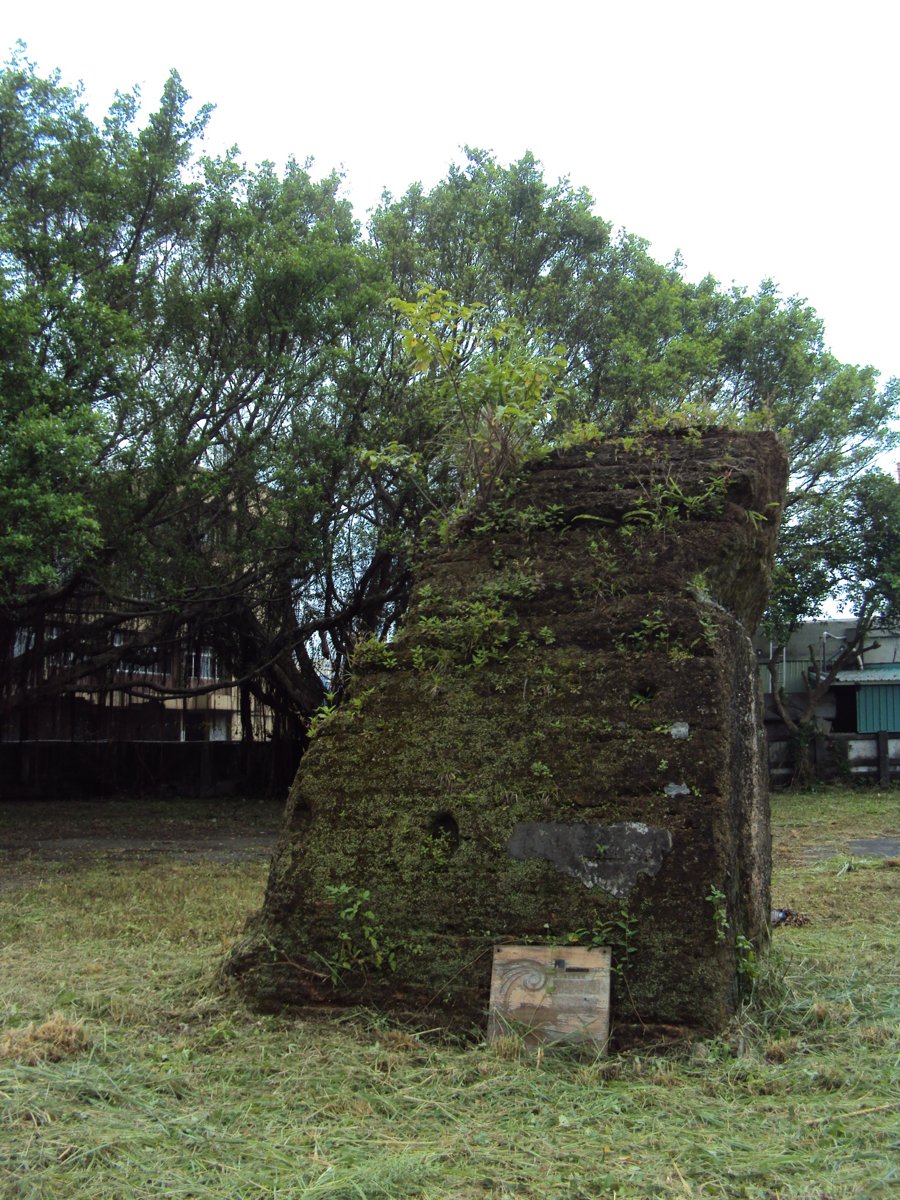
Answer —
175 1089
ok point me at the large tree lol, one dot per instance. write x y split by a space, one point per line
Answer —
842 551
644 345
182 409
209 409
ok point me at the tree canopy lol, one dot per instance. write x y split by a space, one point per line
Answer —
227 411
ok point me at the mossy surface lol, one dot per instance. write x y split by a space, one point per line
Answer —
552 657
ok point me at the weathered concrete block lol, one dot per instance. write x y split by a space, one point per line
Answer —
563 745
609 857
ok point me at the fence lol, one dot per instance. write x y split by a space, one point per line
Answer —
74 769
61 769
836 757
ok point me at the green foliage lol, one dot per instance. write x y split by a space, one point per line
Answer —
196 357
470 633
644 347
716 898
666 503
323 716
521 519
748 960
55 331
176 405
650 633
617 931
372 653
361 938
351 708
46 461
844 548
488 390
652 629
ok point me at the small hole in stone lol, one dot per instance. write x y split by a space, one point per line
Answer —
443 829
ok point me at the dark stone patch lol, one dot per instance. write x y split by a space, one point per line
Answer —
609 857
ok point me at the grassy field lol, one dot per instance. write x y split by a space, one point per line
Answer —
164 1086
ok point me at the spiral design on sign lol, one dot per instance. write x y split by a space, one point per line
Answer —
525 973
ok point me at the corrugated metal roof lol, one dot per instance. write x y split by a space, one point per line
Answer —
876 673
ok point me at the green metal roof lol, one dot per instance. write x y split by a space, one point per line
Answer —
876 673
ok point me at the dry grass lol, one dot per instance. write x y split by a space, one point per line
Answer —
179 1091
51 1041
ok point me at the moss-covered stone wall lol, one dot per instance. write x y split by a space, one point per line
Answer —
562 745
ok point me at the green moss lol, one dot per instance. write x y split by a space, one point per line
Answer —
537 678
373 654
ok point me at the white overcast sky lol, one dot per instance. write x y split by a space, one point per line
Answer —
759 138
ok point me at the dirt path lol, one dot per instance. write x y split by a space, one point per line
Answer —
129 829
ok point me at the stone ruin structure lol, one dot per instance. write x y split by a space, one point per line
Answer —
563 745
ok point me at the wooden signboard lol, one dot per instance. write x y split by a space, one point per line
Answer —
550 994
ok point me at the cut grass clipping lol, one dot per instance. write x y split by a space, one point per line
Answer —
172 1088
51 1041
